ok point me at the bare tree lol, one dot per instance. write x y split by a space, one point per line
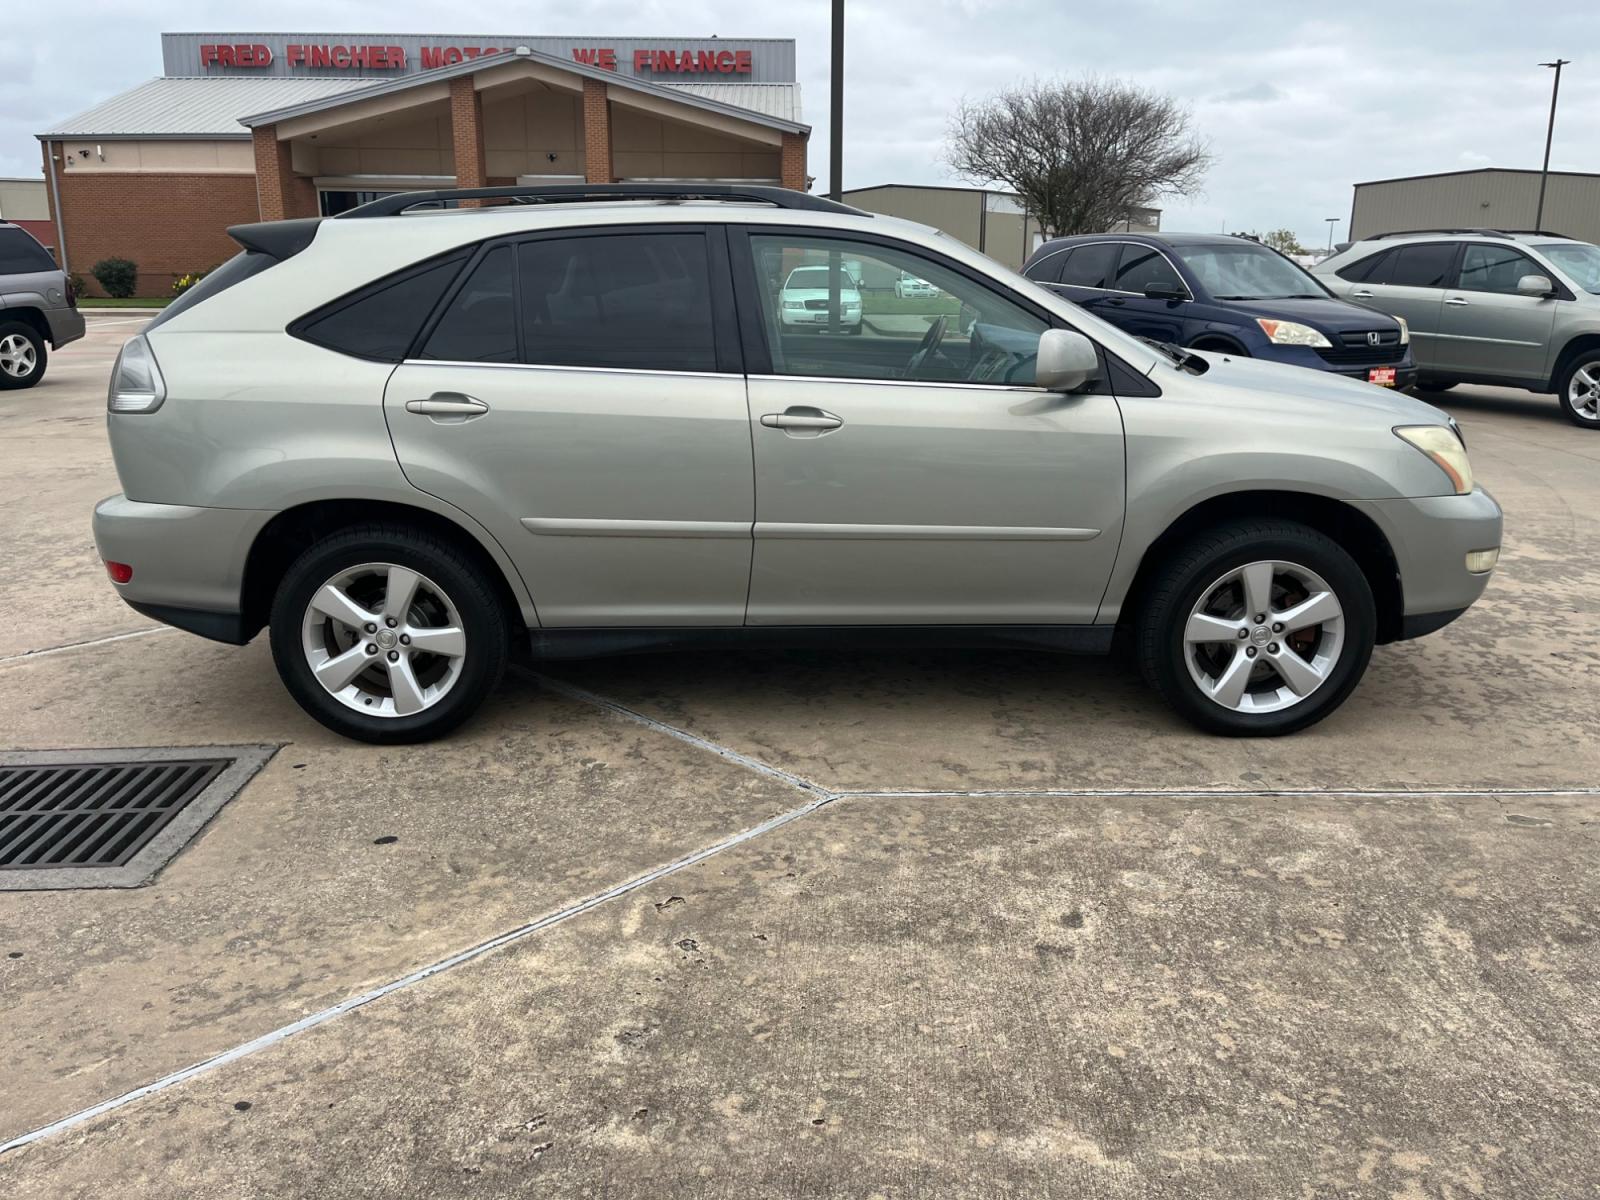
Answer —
1082 154
1283 241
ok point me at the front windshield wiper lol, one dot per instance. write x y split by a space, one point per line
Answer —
1179 356
1238 297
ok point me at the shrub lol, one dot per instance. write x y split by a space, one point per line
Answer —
183 283
117 275
79 287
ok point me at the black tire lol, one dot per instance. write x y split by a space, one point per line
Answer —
1434 385
1589 362
41 355
1191 570
484 621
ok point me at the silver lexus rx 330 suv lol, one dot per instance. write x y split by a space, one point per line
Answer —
574 421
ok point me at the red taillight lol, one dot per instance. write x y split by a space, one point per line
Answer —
119 572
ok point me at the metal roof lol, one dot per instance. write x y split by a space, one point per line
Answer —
196 107
781 100
472 66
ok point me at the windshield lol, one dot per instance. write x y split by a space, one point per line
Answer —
1578 260
1244 271
817 277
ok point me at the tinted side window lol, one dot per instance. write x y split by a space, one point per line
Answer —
1049 268
479 323
640 300
1426 264
21 255
1141 266
1370 269
1487 268
1091 266
380 322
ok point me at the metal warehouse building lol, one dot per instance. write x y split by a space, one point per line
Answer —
1487 198
993 222
246 127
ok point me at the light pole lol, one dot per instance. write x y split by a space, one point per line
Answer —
1549 134
836 107
1332 221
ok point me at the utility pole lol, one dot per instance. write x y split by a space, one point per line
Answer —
836 107
1332 221
1549 135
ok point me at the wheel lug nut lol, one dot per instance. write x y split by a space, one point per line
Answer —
1273 648
394 656
1277 627
1260 617
371 649
1250 652
390 622
1243 633
405 639
371 628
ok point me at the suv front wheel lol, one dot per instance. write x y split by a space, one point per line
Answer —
1257 628
388 635
1579 389
22 355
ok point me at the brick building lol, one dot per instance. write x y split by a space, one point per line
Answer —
246 127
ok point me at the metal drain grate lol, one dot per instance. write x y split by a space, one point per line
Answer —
109 818
97 815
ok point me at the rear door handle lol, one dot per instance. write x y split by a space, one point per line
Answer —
1361 295
1458 301
448 404
802 418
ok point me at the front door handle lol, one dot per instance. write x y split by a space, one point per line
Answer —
448 404
1457 301
805 420
1362 295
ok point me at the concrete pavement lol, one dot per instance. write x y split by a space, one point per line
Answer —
983 993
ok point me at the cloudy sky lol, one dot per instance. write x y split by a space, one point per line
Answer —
1296 108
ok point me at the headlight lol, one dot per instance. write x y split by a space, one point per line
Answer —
1440 443
1405 331
793 305
1291 333
136 383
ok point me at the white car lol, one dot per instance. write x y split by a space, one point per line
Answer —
805 299
908 286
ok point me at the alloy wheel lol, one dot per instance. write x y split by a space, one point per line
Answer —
1264 637
1583 391
17 356
384 640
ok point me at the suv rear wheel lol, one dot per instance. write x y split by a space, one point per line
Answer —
1257 628
388 635
1579 389
22 355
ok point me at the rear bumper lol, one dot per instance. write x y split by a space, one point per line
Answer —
188 563
1431 538
66 325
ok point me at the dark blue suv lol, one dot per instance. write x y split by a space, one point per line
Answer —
1213 292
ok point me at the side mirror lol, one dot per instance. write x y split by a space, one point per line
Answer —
1535 285
1164 291
1067 360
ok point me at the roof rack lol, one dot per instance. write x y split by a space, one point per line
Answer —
1378 237
566 193
1540 233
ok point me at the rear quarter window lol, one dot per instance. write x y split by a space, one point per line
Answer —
380 321
1366 270
20 254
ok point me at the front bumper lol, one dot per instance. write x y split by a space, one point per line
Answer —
1431 537
66 325
188 563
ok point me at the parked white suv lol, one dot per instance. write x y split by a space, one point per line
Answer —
412 442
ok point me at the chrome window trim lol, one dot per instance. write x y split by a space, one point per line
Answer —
1021 389
456 363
